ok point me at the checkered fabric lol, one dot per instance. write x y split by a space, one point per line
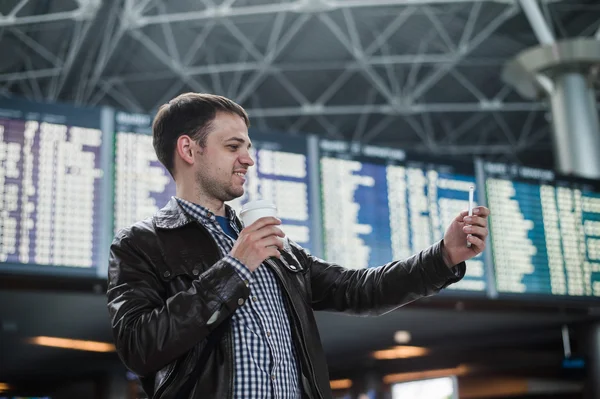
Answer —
266 364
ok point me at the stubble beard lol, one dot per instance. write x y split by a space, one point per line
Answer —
213 188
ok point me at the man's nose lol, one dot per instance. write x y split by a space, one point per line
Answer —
247 159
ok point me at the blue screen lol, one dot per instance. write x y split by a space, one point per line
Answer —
545 231
378 209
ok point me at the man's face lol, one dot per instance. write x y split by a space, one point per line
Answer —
224 161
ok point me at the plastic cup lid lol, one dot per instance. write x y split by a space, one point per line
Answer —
258 204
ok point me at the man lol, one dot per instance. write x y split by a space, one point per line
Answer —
203 308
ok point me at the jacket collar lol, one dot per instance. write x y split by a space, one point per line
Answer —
171 216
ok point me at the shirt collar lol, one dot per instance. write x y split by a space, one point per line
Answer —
201 212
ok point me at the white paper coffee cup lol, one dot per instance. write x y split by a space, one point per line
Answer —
254 210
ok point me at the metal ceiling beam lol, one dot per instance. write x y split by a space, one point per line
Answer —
454 134
439 28
291 89
469 26
486 149
407 59
460 78
86 10
538 23
36 47
33 83
358 55
35 74
172 64
113 32
332 130
361 126
275 49
527 128
121 98
79 35
37 19
383 37
299 6
485 33
374 3
387 109
505 129
378 128
168 34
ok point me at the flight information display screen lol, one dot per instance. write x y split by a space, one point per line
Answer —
280 173
53 185
545 231
379 205
142 184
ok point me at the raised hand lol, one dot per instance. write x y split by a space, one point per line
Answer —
463 228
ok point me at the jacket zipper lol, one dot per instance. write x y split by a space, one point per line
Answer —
162 389
312 369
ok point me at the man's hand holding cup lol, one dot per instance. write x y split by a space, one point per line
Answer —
261 237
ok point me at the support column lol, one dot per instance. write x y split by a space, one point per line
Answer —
562 72
576 129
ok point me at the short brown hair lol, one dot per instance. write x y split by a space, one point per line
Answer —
188 114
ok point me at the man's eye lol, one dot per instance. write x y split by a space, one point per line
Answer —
233 146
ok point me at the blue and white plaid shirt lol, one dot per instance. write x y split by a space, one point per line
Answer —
266 365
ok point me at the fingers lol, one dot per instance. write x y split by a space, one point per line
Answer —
262 222
478 231
481 211
477 244
273 252
272 241
461 216
476 221
268 231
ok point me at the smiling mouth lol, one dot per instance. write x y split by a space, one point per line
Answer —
241 176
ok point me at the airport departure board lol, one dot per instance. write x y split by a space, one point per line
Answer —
142 184
53 185
379 205
72 177
545 231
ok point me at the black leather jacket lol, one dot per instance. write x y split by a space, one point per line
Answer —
171 298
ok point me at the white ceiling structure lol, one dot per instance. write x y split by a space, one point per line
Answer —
423 75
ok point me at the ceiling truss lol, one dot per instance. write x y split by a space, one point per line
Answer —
400 88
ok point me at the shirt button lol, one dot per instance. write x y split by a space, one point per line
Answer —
247 283
196 272
167 274
241 301
268 333
254 299
273 377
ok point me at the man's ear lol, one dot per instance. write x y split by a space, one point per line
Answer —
185 149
